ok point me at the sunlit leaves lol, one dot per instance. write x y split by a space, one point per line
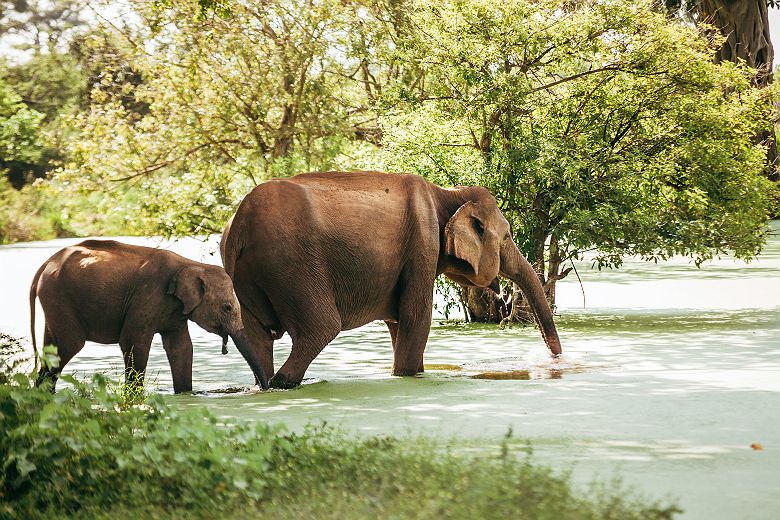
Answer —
230 101
20 137
603 123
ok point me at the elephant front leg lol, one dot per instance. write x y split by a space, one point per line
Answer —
136 356
412 329
392 326
408 355
178 348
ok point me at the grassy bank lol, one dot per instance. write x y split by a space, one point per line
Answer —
89 452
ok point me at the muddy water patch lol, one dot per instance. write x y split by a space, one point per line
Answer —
534 366
522 375
537 364
442 367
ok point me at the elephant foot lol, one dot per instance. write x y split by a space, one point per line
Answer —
406 372
47 378
283 382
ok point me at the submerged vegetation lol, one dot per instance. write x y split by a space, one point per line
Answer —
87 451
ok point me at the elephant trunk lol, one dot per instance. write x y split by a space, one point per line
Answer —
518 269
243 346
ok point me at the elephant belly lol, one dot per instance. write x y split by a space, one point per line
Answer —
360 301
100 325
385 311
102 337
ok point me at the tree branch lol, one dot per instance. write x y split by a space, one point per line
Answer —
576 76
153 168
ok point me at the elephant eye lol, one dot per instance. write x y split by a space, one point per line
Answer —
227 307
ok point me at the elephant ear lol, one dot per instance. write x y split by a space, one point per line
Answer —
463 235
189 287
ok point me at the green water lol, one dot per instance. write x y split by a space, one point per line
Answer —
669 374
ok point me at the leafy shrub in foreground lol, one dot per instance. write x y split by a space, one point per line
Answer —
11 357
78 447
84 451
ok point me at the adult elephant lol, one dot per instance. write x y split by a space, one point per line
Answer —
319 253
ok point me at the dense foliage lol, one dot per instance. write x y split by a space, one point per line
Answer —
87 452
600 126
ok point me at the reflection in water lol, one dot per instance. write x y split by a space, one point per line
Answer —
668 378
224 391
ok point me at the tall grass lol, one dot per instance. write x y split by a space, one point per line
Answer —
88 452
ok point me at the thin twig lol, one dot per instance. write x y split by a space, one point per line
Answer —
580 280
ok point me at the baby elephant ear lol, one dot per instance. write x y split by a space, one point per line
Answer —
463 235
189 288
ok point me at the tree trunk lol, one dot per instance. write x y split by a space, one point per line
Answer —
508 306
488 305
505 304
501 303
745 26
284 140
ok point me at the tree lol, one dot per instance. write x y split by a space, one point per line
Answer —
233 98
603 127
46 77
41 24
744 30
21 141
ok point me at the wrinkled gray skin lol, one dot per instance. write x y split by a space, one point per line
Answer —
109 292
319 253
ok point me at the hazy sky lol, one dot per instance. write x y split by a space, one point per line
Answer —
774 27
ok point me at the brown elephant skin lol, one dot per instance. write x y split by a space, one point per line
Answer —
319 253
109 292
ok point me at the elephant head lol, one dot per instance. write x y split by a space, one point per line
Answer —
207 298
477 246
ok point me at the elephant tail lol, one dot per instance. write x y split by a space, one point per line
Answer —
33 296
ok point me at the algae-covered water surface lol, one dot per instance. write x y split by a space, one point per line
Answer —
670 378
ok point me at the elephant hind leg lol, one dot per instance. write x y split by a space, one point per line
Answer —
306 346
260 340
69 339
392 326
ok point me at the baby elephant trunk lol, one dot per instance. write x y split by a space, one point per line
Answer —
243 346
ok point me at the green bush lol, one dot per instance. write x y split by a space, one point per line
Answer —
11 357
85 451
29 214
46 210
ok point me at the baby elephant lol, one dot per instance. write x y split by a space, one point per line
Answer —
110 292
